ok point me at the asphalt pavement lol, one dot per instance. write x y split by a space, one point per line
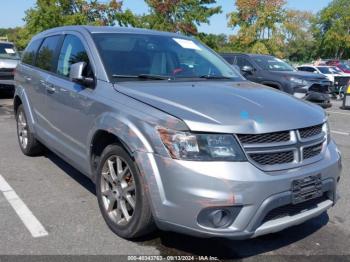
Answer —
62 201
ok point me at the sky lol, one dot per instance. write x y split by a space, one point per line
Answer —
12 13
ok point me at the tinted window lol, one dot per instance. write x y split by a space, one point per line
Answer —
72 52
272 63
241 62
307 69
325 70
8 51
46 54
230 59
132 55
29 53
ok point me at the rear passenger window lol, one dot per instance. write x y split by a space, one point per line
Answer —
29 53
73 51
46 55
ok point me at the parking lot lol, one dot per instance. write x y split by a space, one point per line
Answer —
64 217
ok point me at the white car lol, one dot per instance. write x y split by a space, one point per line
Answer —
335 75
339 79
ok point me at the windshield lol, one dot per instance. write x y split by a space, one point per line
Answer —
272 63
335 70
325 70
8 51
157 57
344 66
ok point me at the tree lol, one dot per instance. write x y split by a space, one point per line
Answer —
47 14
179 15
257 21
332 29
216 42
297 31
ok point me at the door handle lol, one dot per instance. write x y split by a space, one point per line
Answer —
50 88
27 78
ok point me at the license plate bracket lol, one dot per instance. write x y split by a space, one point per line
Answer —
306 188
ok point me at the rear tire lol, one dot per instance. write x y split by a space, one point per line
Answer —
26 139
121 194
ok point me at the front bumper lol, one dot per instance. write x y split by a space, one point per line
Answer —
317 92
6 78
180 190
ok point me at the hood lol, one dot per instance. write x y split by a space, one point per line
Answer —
229 107
301 74
8 63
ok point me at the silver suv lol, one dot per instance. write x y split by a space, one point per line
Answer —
172 136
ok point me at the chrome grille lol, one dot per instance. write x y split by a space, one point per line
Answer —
312 151
265 138
284 149
310 131
273 158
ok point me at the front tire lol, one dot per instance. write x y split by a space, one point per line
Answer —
121 194
26 139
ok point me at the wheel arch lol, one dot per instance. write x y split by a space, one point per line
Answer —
16 103
111 128
273 85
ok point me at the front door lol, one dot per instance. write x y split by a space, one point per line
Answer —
69 103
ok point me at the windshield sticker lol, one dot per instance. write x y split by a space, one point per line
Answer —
9 50
188 44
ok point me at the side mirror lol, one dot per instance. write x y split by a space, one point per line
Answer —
247 69
76 75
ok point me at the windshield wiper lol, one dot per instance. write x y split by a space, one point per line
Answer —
215 77
143 76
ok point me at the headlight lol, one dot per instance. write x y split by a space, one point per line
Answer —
298 81
201 147
326 130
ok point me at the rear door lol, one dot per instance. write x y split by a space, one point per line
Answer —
26 78
44 66
68 103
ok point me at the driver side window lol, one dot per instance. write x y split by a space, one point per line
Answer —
72 51
241 62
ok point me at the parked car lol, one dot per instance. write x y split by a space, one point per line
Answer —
8 61
340 80
341 64
172 135
276 73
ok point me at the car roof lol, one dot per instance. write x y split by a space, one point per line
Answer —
6 42
307 66
247 54
108 29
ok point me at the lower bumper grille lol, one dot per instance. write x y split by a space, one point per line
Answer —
291 210
6 77
319 88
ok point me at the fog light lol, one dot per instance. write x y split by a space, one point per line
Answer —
218 217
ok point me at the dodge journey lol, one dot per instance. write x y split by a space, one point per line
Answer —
173 136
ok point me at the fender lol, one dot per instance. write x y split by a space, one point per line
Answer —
122 128
20 92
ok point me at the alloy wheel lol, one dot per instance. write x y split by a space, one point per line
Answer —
22 130
118 190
